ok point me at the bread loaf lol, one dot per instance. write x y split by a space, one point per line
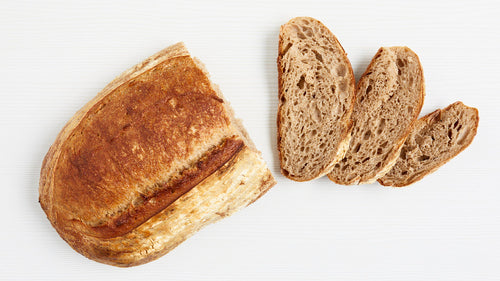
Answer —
153 158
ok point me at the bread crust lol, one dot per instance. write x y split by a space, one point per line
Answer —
343 144
429 120
107 191
393 156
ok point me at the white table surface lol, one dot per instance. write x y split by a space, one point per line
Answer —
56 55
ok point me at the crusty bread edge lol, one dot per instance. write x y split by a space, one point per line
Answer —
239 183
393 157
429 118
346 137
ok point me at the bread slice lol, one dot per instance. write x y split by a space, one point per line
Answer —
389 97
316 98
435 139
153 158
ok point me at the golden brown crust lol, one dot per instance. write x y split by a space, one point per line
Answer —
240 182
168 192
149 139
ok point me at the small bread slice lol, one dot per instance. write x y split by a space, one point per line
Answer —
316 99
389 97
435 139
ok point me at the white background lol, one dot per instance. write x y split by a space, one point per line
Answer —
55 56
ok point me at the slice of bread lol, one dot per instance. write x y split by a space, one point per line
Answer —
316 99
435 139
389 97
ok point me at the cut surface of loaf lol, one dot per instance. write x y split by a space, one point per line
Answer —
316 98
389 97
435 139
158 144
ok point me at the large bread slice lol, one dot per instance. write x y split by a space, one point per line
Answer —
389 97
150 160
316 98
435 139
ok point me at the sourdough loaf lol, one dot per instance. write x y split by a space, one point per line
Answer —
154 157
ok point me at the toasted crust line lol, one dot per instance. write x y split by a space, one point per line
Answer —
170 191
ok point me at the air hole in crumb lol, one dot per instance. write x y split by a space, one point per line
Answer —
366 159
400 63
410 109
459 127
314 132
317 114
378 165
345 167
330 133
455 125
450 134
337 166
381 126
379 151
356 149
301 35
333 89
399 71
368 89
286 49
301 82
341 70
308 31
367 134
321 146
318 56
404 173
285 172
283 99
384 144
423 158
343 85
